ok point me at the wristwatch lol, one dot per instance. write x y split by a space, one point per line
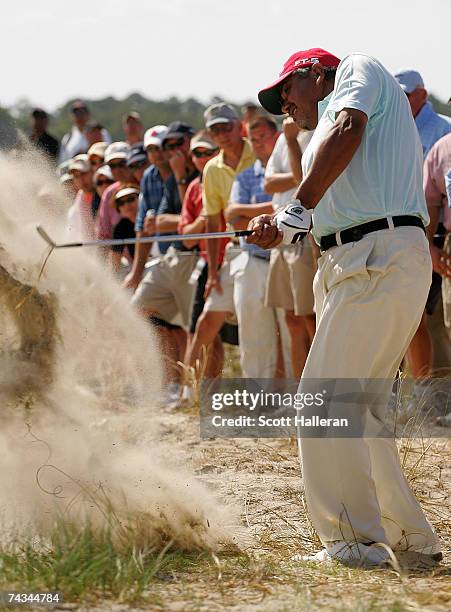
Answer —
183 181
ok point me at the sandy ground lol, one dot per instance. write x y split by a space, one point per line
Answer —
263 478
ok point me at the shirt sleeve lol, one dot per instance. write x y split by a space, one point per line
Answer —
358 85
432 190
187 214
104 228
168 201
143 205
273 165
211 198
240 193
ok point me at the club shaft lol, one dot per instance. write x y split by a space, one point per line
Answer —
144 239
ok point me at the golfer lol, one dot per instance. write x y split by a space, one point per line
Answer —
361 195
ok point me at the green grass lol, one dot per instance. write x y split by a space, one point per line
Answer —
87 564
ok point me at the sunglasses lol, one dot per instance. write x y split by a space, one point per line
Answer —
137 165
207 153
127 200
173 145
103 182
153 149
79 111
120 164
221 128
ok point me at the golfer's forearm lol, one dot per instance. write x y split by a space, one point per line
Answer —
332 157
142 251
434 214
295 155
280 182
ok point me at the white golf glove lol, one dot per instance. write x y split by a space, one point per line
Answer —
295 222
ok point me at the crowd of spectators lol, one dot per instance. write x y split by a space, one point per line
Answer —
198 294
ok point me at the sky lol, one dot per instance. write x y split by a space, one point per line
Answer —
53 50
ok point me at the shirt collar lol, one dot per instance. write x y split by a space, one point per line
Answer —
424 115
258 168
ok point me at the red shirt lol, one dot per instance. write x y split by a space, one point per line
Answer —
191 209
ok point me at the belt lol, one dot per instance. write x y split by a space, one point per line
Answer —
357 232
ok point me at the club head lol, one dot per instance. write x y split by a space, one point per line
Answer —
41 231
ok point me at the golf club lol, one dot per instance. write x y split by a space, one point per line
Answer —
168 238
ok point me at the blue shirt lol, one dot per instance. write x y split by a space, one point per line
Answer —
171 204
152 189
249 188
385 175
431 127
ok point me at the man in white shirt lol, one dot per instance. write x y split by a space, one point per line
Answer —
362 190
75 142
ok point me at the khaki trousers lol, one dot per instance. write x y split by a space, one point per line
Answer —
369 298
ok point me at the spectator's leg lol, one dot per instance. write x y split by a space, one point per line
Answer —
300 341
215 359
419 352
207 328
257 322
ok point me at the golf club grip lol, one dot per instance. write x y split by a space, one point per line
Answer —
243 233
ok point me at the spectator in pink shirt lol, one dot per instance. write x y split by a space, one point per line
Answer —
80 222
116 158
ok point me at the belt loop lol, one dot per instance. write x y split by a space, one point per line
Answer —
391 225
338 239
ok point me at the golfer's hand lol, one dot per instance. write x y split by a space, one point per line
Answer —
264 232
441 262
131 281
213 282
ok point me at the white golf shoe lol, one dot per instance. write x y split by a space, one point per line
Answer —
349 553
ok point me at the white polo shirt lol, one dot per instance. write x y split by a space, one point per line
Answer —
384 177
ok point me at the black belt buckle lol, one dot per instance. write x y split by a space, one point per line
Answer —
357 234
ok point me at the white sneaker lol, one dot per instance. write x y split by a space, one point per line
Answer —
353 553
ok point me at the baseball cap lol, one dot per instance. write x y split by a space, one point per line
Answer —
220 113
104 171
131 115
136 154
202 139
177 129
409 80
125 192
154 135
93 125
116 150
269 97
39 113
80 163
98 148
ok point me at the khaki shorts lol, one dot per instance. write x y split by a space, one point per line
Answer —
223 302
290 278
165 289
446 290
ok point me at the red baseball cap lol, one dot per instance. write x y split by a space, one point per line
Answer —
269 97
